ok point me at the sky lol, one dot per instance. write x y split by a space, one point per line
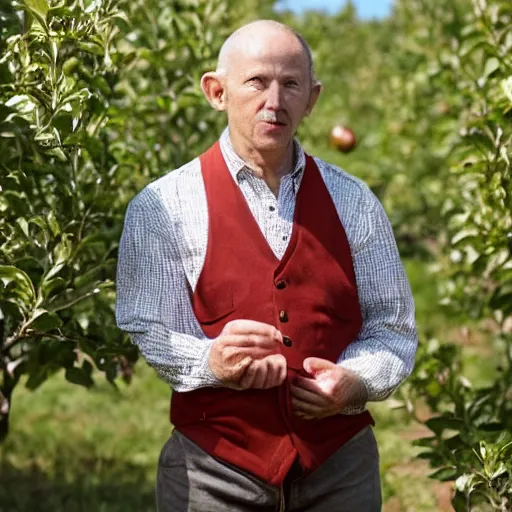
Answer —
365 8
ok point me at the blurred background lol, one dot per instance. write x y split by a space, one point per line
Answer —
100 97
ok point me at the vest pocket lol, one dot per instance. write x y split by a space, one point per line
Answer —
214 307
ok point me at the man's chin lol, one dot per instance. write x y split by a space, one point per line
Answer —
272 143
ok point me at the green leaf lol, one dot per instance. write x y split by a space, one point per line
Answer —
440 423
506 85
9 273
500 470
491 66
93 48
38 9
61 253
60 10
454 443
492 427
459 502
52 286
463 234
4 112
39 6
5 77
79 376
425 441
433 457
45 321
445 474
53 223
111 371
70 65
95 275
23 224
36 377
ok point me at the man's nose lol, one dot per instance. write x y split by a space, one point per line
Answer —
274 96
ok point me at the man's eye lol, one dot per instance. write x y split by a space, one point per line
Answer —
255 80
291 83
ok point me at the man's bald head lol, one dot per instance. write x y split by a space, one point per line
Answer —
240 37
265 84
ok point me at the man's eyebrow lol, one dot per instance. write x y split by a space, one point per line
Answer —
293 73
254 71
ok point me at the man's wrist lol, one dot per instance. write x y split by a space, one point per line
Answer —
356 398
359 392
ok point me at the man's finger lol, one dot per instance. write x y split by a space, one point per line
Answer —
277 370
308 384
252 327
249 340
240 368
248 377
281 372
301 407
308 397
232 354
261 374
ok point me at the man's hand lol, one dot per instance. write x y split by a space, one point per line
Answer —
246 355
330 389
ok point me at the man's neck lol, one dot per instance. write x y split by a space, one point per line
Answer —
271 166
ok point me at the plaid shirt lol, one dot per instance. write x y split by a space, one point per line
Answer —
163 248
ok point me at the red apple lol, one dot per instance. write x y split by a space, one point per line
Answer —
343 138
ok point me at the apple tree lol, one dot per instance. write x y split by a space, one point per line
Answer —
469 81
97 97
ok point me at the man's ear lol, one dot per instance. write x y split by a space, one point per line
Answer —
315 93
212 85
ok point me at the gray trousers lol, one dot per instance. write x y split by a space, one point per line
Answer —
190 480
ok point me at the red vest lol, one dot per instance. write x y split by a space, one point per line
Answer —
310 295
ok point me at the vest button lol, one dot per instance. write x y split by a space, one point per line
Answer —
283 316
287 342
281 285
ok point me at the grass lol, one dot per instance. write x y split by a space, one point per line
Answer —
75 450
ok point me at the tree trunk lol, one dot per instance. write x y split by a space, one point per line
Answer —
6 390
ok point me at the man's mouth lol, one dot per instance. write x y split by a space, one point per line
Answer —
275 123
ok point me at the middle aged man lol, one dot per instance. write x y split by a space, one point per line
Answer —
266 287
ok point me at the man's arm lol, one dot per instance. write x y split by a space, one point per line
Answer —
382 355
153 303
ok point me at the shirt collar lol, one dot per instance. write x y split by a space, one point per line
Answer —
236 164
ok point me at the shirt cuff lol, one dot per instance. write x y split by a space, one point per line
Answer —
208 379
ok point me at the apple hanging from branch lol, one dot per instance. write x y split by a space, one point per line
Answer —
342 138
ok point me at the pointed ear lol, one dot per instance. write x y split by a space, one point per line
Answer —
315 93
213 87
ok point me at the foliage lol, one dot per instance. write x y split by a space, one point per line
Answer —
471 440
96 99
475 260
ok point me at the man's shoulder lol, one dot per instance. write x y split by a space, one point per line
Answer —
164 189
342 184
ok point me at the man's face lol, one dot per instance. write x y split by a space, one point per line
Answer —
268 90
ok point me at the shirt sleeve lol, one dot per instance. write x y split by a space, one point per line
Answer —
153 302
383 353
